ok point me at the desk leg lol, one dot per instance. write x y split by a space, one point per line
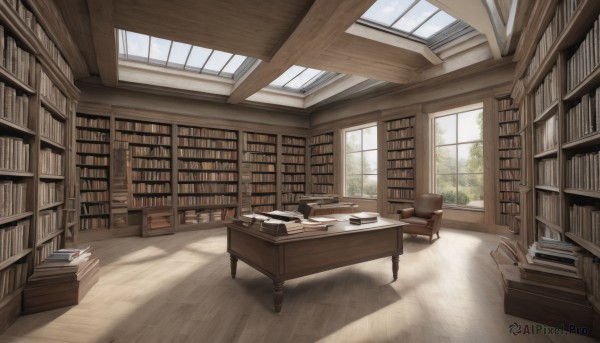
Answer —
395 259
233 260
277 295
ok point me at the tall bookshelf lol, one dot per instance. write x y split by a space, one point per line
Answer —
321 163
293 161
509 164
36 101
207 175
260 150
150 147
400 141
93 157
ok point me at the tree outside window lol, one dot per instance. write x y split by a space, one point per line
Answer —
360 172
459 158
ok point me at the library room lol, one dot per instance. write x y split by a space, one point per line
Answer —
299 171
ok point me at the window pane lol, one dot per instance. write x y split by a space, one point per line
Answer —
353 163
197 58
287 76
370 138
304 77
470 126
234 64
470 190
137 45
179 53
353 140
370 162
217 61
122 43
386 11
446 186
370 186
445 130
415 16
445 160
353 185
434 25
159 50
470 158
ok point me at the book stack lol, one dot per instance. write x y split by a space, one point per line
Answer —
556 255
363 218
277 227
64 277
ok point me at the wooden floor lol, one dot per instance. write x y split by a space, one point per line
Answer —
178 289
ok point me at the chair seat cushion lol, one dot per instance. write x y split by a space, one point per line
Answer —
415 220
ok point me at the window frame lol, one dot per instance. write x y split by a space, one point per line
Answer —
433 146
344 153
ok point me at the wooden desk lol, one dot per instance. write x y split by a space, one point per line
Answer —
288 257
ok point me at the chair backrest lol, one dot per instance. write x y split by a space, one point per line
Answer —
425 204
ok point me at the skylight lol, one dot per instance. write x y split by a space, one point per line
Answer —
301 79
157 51
412 18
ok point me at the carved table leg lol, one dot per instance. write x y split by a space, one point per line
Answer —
277 295
395 259
233 260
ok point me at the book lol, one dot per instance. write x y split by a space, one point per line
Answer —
363 218
277 227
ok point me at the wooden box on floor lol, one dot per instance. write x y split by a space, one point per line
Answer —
38 298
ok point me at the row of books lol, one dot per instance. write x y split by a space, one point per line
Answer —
143 127
94 209
291 197
94 197
94 173
395 193
13 198
152 201
14 154
510 163
322 189
402 154
208 133
293 150
509 196
150 163
207 188
205 216
510 128
142 139
401 183
507 219
260 177
93 148
208 154
206 200
47 248
400 123
510 174
92 160
300 178
50 92
14 237
92 122
260 158
277 227
509 186
51 192
546 137
321 149
548 172
584 221
547 206
264 188
401 144
509 116
320 169
14 106
263 208
547 92
144 151
16 60
509 207
12 278
208 143
584 118
583 171
51 128
505 104
263 199
406 133
292 159
401 164
93 223
293 141
321 139
292 187
206 165
509 153
321 159
509 142
260 148
262 168
53 52
586 59
150 175
260 138
564 11
207 176
49 222
401 173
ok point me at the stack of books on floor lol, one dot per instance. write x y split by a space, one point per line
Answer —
363 218
278 227
544 284
61 280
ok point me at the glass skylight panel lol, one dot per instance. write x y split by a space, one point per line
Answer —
159 50
415 17
387 11
434 25
217 61
179 54
287 76
234 63
198 58
303 78
137 45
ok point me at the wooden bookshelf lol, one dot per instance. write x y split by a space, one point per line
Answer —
509 163
293 171
260 150
401 163
321 163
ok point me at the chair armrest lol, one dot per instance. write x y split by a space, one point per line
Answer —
435 220
406 213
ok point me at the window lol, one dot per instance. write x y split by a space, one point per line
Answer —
458 157
301 79
360 152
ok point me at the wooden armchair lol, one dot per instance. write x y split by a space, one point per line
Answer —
426 216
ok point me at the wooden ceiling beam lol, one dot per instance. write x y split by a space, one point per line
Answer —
321 25
105 41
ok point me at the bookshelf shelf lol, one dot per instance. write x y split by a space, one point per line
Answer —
17 128
548 223
48 105
15 173
52 177
400 153
587 245
9 261
13 218
585 193
547 153
54 204
52 143
46 238
321 162
591 140
591 82
547 188
10 79
547 113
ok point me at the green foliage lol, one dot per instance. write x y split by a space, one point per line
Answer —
450 198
